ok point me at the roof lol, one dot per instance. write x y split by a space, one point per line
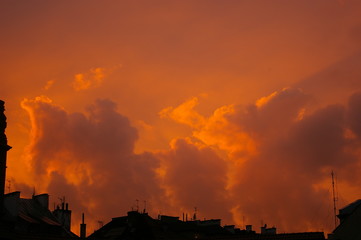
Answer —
349 208
282 236
141 226
29 219
32 212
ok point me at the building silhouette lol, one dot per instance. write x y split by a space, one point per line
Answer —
350 222
140 226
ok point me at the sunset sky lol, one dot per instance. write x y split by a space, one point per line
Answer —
241 108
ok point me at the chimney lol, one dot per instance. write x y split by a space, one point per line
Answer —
265 230
42 199
63 215
83 228
4 148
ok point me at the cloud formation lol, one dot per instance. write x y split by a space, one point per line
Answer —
260 154
269 161
93 79
192 174
280 156
89 157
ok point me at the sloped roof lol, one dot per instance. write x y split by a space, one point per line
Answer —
32 212
349 208
28 219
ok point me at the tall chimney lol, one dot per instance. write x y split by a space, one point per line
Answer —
4 148
83 228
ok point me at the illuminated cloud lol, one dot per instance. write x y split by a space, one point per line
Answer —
49 84
89 158
93 79
275 158
274 155
253 162
184 113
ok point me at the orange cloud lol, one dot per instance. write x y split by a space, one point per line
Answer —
275 154
88 157
185 113
93 79
49 84
240 162
271 153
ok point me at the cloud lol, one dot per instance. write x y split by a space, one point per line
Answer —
279 154
257 162
184 113
49 84
354 113
88 157
279 182
195 176
294 156
93 79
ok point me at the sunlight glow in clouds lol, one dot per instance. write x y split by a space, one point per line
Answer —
92 79
279 108
239 158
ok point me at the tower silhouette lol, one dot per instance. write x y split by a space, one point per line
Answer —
4 148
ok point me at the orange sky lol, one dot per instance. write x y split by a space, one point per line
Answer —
240 108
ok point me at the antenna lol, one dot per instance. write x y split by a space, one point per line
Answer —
137 204
334 198
145 206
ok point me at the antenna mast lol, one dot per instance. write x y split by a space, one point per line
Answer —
334 198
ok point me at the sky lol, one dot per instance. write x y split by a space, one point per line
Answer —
239 108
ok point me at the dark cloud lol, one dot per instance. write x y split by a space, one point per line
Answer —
273 114
196 177
336 81
354 113
294 155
